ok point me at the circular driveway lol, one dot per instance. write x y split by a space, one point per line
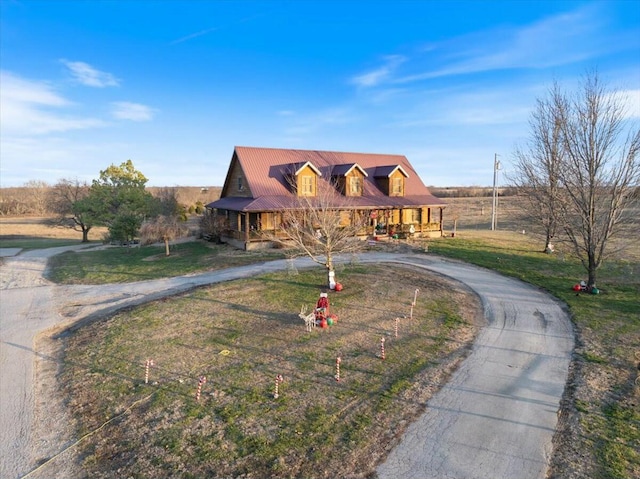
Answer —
494 419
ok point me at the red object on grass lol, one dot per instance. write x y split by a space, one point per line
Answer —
338 286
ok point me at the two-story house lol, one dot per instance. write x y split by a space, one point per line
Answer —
263 182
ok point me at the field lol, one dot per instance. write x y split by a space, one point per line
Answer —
599 429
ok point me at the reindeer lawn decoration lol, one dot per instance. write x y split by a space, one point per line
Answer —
309 319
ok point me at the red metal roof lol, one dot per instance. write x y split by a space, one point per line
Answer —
266 171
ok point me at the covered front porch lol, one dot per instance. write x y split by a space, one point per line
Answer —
247 230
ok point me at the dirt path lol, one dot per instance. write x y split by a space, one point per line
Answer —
499 410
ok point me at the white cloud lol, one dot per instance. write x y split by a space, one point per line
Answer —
33 108
630 99
124 110
86 75
377 76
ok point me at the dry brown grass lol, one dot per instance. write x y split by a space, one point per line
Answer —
38 227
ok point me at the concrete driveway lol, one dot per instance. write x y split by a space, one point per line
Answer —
495 419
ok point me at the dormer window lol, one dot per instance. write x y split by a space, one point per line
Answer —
305 178
349 179
391 179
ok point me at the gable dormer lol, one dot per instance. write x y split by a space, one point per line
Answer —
349 179
305 179
391 179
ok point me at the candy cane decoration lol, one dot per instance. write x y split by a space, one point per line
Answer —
397 321
201 381
338 361
279 379
146 370
415 297
382 348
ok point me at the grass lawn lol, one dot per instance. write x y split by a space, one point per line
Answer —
123 264
240 336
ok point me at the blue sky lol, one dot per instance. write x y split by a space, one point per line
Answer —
175 85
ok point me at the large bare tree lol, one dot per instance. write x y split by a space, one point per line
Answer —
537 167
321 226
598 167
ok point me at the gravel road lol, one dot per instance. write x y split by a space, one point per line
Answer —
496 417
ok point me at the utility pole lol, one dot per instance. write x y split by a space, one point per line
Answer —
496 167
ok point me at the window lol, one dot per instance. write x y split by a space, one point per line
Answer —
415 216
306 186
396 186
355 186
240 185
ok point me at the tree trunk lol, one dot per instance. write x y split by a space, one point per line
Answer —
85 235
166 245
330 272
591 282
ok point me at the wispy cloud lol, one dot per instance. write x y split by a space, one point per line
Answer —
86 75
314 122
375 77
556 40
193 35
124 110
34 108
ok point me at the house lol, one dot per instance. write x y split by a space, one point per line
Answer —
263 182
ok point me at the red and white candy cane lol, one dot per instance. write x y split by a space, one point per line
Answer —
382 348
201 381
146 370
338 361
279 379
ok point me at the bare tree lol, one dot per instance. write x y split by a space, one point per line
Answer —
163 228
37 192
599 171
538 164
321 227
66 202
582 167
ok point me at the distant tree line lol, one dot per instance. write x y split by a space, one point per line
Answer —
471 191
34 198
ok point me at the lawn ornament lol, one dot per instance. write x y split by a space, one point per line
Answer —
279 379
332 280
322 309
309 319
338 286
397 321
148 363
382 356
415 297
201 381
338 361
